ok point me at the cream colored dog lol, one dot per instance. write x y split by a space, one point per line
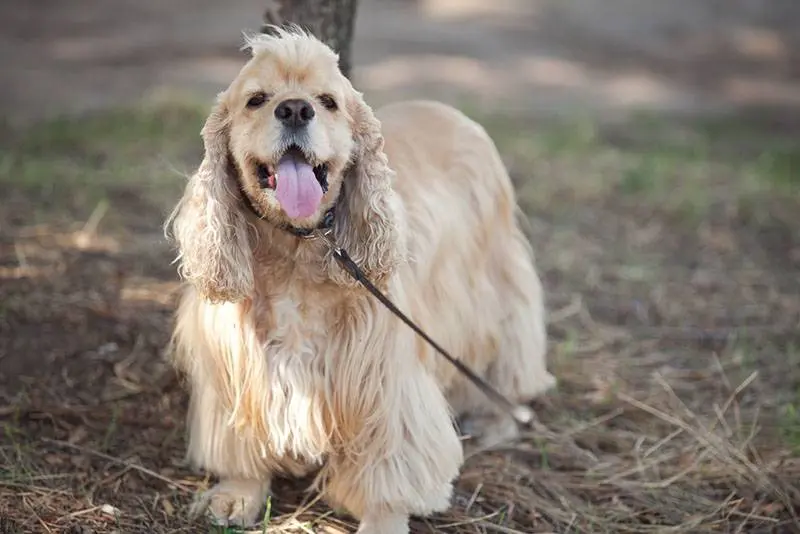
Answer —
293 366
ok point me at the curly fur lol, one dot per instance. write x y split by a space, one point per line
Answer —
292 366
209 227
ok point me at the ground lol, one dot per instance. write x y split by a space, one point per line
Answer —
668 246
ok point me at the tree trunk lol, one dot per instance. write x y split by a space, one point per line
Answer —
331 21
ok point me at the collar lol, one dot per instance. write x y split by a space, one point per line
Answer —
325 224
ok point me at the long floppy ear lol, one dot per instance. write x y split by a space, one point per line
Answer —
370 222
210 230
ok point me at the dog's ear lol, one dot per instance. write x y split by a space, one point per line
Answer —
370 224
208 225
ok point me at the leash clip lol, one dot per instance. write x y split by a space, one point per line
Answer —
326 236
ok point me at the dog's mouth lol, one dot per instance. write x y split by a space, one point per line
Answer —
298 183
268 175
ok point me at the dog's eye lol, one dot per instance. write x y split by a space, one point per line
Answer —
328 102
257 100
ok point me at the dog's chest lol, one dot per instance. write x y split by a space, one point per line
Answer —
297 328
297 406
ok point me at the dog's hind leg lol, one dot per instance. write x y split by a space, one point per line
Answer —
519 369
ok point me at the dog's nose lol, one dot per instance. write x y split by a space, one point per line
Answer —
294 112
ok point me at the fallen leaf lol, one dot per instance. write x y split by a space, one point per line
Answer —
110 511
54 459
168 508
77 435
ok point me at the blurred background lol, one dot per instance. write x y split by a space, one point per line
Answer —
533 56
655 148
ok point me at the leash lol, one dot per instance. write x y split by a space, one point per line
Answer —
522 414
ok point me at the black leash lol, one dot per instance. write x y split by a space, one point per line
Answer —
520 413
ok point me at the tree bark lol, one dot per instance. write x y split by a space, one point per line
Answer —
331 21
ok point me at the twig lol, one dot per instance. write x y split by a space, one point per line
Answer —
22 259
501 529
37 516
90 227
119 461
570 310
78 412
744 467
40 490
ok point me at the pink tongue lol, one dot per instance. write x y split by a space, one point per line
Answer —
297 189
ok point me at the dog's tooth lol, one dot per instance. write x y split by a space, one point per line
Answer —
266 180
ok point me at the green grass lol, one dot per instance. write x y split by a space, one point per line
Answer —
790 425
789 417
683 169
69 165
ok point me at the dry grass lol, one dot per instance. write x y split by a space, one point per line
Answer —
671 277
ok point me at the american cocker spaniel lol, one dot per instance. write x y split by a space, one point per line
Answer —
293 366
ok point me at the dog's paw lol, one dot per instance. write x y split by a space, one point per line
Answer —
233 502
384 524
489 430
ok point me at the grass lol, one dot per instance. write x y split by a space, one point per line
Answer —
685 168
67 166
669 257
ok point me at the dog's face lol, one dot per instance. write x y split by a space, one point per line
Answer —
290 131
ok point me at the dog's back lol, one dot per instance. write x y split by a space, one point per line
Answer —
470 264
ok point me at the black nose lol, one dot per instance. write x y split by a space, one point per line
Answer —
294 112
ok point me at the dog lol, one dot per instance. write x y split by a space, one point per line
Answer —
293 367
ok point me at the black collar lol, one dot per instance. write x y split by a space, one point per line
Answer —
325 224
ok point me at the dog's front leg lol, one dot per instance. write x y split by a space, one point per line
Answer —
233 502
204 346
384 523
403 459
239 497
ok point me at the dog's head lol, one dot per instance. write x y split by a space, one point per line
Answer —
290 133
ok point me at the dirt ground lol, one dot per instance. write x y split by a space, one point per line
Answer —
667 242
